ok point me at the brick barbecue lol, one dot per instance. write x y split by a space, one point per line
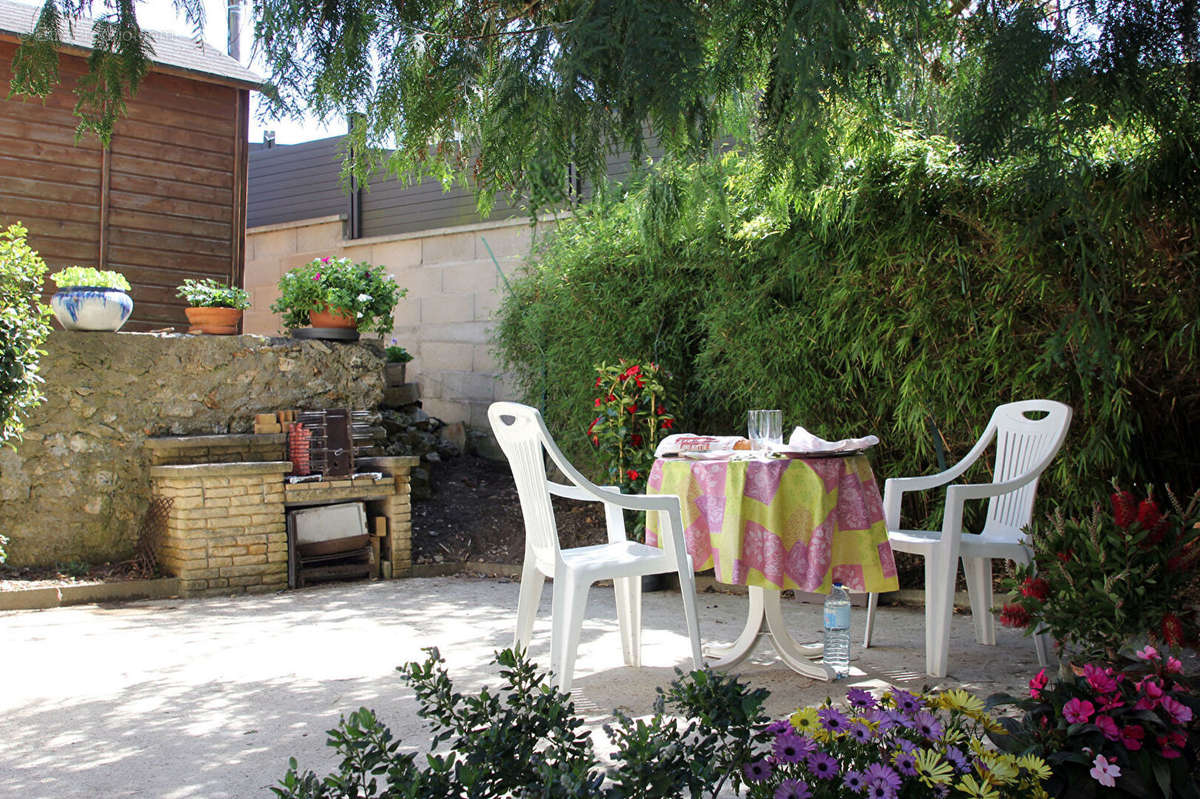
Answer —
226 531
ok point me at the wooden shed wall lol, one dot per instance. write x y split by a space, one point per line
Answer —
175 199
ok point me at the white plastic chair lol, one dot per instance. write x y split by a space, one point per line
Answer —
1024 448
522 435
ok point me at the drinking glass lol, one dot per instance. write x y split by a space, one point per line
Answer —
764 428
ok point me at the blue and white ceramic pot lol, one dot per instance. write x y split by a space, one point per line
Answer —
91 308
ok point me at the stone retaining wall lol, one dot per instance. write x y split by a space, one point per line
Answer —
77 487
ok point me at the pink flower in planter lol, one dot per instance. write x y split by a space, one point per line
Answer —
1148 653
1173 665
1078 711
1108 727
1101 680
1151 692
1167 751
1104 772
1037 684
1179 712
1131 737
325 260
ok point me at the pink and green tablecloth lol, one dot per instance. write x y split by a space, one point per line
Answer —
785 524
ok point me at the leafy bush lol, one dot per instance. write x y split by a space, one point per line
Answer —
1117 579
1132 731
90 276
396 354
632 406
525 740
209 293
24 325
366 292
907 296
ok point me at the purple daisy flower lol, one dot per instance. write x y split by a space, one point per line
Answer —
791 748
860 732
832 720
900 719
860 698
882 719
792 789
854 781
907 702
906 763
878 772
958 759
757 771
822 765
880 790
906 746
927 724
778 726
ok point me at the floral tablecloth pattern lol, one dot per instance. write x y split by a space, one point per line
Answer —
785 524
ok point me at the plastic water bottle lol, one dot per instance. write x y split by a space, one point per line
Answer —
837 631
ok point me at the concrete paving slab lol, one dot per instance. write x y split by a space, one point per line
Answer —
175 699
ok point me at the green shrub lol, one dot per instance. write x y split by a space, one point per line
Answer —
367 293
209 293
907 294
91 277
24 325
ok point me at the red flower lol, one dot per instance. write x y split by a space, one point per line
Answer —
632 474
1123 508
598 402
667 424
636 439
631 408
1172 630
1131 737
611 398
640 382
1035 587
597 382
1065 557
592 426
596 440
1148 514
1014 616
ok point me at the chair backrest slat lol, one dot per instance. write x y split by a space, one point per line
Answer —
1023 445
520 432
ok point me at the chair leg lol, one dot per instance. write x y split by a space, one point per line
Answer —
530 596
629 618
939 606
574 595
869 629
687 587
979 589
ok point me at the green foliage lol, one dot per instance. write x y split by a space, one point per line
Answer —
209 293
631 407
366 292
525 739
397 354
910 288
1099 586
24 325
90 276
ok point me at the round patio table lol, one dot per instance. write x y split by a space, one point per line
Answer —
774 524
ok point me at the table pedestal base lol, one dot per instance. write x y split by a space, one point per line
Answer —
766 619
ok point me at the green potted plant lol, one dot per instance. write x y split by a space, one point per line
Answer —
337 293
397 361
213 307
91 299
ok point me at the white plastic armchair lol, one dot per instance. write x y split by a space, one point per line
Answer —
522 435
1024 448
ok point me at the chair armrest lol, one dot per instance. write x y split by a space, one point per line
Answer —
894 488
614 501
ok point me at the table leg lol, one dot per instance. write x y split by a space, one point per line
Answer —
766 616
732 655
795 655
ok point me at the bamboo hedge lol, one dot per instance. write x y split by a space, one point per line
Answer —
906 297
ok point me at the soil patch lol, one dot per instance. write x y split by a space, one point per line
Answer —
475 515
20 578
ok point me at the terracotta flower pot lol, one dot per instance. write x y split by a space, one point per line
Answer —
332 317
214 321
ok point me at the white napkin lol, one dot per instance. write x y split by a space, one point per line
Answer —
690 445
803 441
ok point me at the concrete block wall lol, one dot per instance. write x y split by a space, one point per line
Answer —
445 321
226 530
